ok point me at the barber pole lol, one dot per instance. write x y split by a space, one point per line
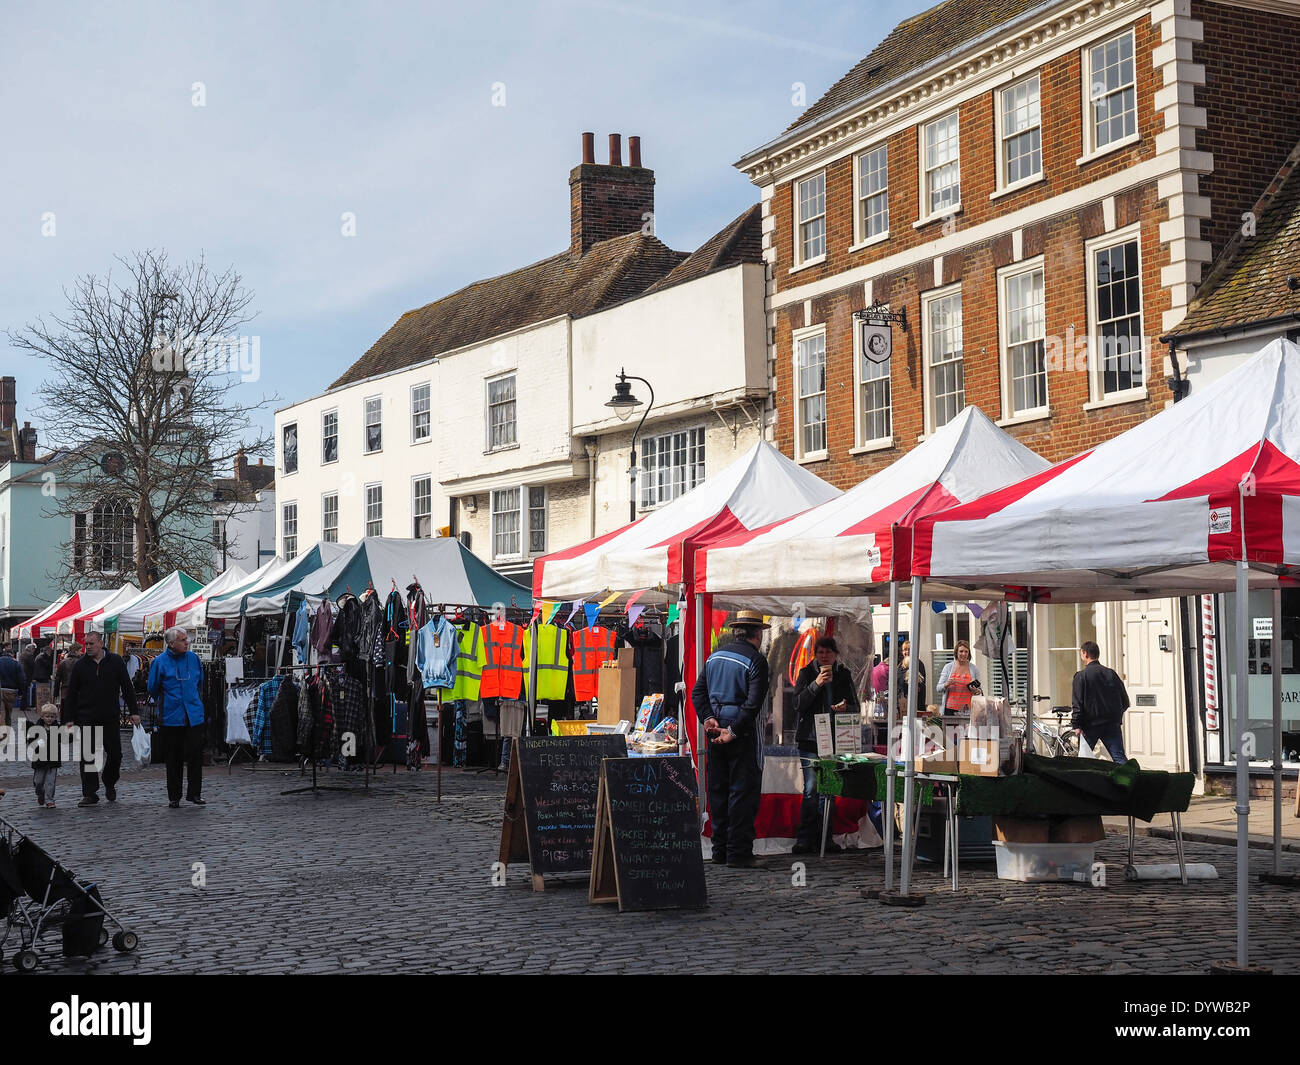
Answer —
1211 666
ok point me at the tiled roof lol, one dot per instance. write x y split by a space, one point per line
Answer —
914 43
1249 282
741 241
610 272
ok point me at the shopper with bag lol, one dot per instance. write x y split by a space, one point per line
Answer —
175 682
92 700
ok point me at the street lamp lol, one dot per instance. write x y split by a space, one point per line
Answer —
623 404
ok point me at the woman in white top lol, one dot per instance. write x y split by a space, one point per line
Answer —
956 679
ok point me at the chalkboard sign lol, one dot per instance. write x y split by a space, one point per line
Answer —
550 815
648 854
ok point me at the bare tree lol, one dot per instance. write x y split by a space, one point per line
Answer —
140 408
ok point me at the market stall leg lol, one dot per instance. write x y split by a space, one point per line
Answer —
1243 770
909 764
891 770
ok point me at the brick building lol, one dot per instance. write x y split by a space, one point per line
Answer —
1040 187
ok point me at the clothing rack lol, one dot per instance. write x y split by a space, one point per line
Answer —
315 787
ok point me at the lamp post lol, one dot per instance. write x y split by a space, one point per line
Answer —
624 403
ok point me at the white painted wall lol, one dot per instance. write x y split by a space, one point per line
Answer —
1208 362
395 466
700 340
247 530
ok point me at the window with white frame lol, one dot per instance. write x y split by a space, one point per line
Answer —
289 448
1111 90
505 523
422 507
103 539
374 424
1023 330
1020 129
810 197
374 510
941 164
329 518
329 436
945 373
219 535
289 529
873 193
537 520
421 418
1115 304
501 412
875 403
671 465
810 393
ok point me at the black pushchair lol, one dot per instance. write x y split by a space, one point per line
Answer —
37 894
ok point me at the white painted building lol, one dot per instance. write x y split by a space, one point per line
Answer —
483 414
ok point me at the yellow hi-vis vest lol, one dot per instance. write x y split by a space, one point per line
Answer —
470 658
552 662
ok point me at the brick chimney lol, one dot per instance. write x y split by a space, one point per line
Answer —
608 200
241 466
27 443
8 401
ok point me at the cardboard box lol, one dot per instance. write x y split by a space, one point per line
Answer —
1078 830
979 757
615 694
624 658
1022 829
943 762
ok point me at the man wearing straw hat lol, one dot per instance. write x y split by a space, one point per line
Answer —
728 698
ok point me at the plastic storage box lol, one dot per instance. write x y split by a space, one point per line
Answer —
1029 862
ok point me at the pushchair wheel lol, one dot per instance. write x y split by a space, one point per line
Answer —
25 961
125 942
103 936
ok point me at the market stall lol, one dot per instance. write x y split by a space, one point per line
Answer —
1203 497
128 618
190 614
25 630
75 625
77 603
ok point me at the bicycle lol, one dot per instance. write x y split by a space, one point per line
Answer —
1061 743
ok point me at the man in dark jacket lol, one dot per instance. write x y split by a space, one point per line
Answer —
91 699
728 698
64 671
12 683
1099 701
822 687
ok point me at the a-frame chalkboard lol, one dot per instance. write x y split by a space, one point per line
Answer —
648 854
550 813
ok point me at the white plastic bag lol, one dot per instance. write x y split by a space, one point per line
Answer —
142 745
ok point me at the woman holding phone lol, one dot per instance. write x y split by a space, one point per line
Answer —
822 687
956 680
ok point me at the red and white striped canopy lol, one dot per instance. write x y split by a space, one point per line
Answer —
862 538
760 487
77 603
26 630
1163 509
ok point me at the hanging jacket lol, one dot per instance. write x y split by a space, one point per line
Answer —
471 657
322 629
347 628
282 725
503 672
175 682
590 647
258 716
417 615
552 662
437 649
372 623
301 632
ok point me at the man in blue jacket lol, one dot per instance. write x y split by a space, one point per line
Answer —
728 698
174 682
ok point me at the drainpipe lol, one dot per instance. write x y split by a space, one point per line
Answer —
1187 613
593 449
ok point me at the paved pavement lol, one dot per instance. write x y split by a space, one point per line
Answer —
1213 819
389 880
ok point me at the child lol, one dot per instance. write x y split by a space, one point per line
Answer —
45 771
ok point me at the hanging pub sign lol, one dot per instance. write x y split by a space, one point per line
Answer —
876 331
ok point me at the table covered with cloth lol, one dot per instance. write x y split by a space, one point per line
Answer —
868 781
1076 787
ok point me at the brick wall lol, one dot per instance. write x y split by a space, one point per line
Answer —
1252 101
607 201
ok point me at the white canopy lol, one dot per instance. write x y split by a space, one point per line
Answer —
759 488
862 538
167 594
75 624
190 614
25 629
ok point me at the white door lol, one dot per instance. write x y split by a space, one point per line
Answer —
1151 726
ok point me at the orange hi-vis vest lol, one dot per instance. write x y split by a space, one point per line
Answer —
590 647
503 668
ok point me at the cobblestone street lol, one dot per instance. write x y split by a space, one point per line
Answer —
389 880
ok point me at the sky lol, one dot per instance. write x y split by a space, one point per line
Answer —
245 133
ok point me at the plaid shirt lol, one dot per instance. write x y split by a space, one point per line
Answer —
258 715
350 716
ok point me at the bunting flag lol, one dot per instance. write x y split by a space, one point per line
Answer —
593 612
938 607
634 614
555 609
634 597
674 612
975 610
577 605
609 599
555 728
